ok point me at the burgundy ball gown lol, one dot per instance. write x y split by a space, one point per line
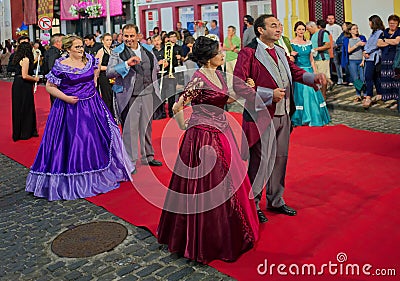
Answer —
212 217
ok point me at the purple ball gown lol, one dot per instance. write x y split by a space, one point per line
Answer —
207 212
81 153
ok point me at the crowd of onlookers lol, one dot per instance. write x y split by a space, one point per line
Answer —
340 50
366 61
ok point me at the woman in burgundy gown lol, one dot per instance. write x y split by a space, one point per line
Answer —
207 212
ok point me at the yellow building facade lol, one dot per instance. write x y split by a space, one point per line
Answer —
295 10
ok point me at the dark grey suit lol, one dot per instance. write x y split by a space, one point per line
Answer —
134 88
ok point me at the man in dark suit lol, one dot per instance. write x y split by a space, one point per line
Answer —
268 110
91 46
50 56
171 83
135 71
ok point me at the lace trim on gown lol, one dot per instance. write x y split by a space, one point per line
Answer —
92 61
234 201
53 79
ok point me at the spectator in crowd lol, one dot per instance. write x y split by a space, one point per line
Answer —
11 66
156 31
185 34
248 34
388 43
9 45
284 42
98 36
104 83
178 27
91 46
159 53
37 55
355 46
372 54
189 41
310 105
143 41
246 21
5 57
396 67
114 40
232 47
170 83
344 56
120 39
163 35
335 30
188 61
51 55
214 28
23 104
320 52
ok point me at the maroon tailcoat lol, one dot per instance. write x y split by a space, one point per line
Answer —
252 63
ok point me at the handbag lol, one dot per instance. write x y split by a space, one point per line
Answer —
359 85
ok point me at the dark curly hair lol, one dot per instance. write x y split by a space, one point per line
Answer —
23 50
204 49
377 23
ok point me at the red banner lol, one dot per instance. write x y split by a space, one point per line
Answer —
30 12
115 8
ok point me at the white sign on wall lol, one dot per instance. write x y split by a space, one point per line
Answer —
230 16
166 19
5 21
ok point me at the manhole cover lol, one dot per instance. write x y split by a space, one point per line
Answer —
89 239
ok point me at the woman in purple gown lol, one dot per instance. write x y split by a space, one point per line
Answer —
81 153
207 212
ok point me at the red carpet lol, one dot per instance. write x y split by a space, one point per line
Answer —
343 182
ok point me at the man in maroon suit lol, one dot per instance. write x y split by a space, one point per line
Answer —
269 105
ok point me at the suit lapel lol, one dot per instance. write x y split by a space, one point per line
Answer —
282 56
261 56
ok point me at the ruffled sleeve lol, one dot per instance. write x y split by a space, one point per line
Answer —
96 62
192 89
55 75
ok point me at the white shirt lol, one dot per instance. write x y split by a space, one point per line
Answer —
36 53
137 52
335 30
265 46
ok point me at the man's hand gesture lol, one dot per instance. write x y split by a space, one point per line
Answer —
133 61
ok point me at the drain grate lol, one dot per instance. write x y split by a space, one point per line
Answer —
89 239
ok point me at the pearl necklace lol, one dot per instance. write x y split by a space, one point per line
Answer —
212 78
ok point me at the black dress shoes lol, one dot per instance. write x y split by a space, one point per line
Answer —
284 209
261 217
154 162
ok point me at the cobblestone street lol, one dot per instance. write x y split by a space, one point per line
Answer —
29 225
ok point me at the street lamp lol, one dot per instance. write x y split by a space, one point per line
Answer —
108 18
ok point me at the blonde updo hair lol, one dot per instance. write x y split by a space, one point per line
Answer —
67 42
